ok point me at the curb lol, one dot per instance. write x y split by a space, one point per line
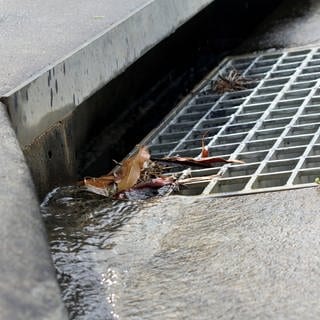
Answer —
29 289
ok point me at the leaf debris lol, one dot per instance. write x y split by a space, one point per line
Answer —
233 81
141 171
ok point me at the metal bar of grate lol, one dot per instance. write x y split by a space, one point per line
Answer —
273 125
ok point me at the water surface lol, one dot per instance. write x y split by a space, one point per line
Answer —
248 257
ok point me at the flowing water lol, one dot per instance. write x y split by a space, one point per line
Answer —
81 228
126 259
249 257
85 234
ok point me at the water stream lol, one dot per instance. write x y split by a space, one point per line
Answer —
249 257
128 259
81 229
100 248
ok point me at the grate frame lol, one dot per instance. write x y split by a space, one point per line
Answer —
273 125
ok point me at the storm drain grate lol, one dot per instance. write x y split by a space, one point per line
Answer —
273 125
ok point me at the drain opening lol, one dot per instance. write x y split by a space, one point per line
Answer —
272 125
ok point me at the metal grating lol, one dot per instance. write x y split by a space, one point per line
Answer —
273 125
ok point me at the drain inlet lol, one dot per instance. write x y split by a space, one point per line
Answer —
273 125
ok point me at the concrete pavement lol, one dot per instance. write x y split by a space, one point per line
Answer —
250 257
293 24
35 35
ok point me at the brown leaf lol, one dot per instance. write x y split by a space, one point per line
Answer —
131 169
155 183
209 160
104 185
203 162
204 152
204 149
101 182
126 177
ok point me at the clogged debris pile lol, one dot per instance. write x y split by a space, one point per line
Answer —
142 172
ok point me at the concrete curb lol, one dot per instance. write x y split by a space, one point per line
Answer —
56 91
27 279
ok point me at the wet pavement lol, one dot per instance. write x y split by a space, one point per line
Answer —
254 257
294 24
247 257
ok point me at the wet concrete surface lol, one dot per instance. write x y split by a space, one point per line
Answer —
253 257
293 24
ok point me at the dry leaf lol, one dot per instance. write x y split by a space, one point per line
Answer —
233 81
204 148
202 162
101 182
126 177
155 183
131 169
137 168
107 191
104 185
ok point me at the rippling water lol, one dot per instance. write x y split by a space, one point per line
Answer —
81 227
114 258
254 257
